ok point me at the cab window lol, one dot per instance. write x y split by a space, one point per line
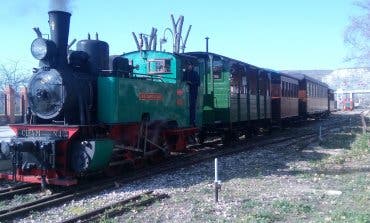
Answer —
159 66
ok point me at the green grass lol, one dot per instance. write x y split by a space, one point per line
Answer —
264 217
248 204
77 210
350 216
356 147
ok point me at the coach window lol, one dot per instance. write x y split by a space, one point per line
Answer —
244 84
308 89
296 91
262 84
322 92
252 75
312 91
234 80
268 87
318 91
217 66
286 89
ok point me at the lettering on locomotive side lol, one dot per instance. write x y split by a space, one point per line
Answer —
42 133
150 97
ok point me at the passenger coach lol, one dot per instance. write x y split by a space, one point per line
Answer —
313 97
236 95
284 97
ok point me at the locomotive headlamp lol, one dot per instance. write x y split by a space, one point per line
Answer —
42 48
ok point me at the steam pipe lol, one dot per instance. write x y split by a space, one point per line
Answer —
71 43
38 32
186 39
136 41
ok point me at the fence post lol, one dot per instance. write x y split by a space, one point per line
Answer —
9 91
363 120
5 104
23 94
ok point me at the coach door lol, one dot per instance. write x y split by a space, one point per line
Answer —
220 84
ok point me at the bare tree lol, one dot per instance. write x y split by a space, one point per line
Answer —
13 74
357 35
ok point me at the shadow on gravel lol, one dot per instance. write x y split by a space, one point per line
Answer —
347 170
339 140
277 161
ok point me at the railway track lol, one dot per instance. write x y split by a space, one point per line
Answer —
119 207
170 165
9 193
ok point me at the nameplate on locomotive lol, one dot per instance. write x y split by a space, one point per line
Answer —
150 96
42 133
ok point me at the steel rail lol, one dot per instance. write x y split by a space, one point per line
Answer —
119 207
8 193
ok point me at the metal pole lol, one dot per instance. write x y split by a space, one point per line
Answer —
216 170
217 183
207 38
320 135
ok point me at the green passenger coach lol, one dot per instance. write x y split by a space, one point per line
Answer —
236 95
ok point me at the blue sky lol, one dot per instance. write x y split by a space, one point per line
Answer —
276 34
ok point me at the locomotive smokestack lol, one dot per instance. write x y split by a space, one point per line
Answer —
59 31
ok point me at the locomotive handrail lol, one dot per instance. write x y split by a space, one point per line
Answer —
154 76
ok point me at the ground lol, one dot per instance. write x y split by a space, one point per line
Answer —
322 182
326 181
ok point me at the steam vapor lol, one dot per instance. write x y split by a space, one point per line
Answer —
59 5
